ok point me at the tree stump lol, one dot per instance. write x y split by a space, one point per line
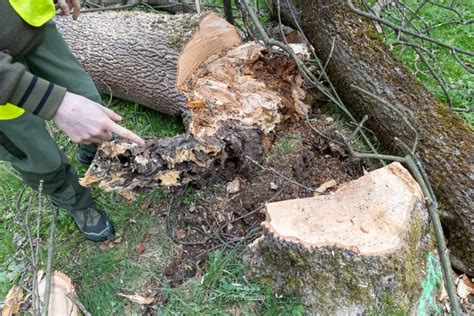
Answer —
362 249
446 146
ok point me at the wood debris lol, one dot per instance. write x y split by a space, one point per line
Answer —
13 301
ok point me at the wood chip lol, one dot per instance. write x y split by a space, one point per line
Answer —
136 298
325 186
465 287
233 186
13 301
59 302
197 104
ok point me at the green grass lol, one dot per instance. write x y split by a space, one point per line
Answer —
285 145
100 274
457 80
223 288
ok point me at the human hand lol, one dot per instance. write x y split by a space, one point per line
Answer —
66 6
85 121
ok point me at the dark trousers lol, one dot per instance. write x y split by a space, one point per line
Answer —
25 141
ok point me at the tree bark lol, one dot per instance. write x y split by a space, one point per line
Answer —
135 55
446 146
229 95
361 250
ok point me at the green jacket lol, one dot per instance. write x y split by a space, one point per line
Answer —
17 85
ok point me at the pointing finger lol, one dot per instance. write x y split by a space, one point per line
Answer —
125 133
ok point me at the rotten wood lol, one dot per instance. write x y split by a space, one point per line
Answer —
229 95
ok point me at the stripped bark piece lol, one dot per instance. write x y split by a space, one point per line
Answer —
368 241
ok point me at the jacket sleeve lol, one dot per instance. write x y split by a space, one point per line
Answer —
25 90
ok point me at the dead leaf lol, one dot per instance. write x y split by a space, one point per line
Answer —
136 298
464 287
104 246
13 301
233 186
443 295
140 248
180 234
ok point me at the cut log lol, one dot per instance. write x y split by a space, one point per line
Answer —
360 250
228 97
135 55
446 146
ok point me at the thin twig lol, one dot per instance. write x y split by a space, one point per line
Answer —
169 229
75 300
49 263
397 28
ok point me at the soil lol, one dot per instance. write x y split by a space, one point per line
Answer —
228 213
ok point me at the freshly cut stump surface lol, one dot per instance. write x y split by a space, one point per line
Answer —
364 216
346 252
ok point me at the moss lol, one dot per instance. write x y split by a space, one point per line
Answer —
293 283
266 280
180 35
388 306
451 119
373 35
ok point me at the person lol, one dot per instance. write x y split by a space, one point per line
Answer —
40 80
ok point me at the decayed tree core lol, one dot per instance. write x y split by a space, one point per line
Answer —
242 90
233 98
345 253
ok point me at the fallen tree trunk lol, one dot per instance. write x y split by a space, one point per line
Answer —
228 98
358 251
446 146
135 55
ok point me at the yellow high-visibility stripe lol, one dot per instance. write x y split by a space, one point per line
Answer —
9 112
34 12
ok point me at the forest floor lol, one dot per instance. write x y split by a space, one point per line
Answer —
184 248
